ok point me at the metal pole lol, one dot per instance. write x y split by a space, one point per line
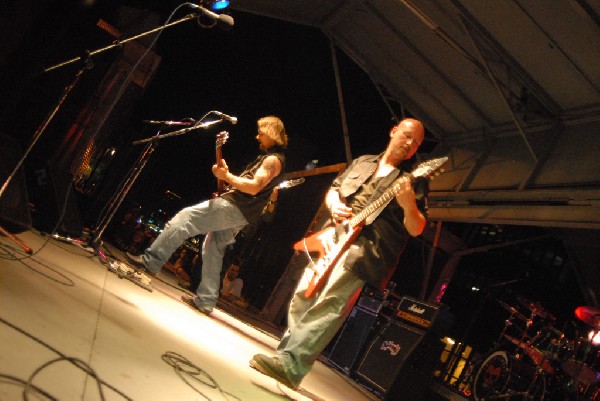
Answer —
341 102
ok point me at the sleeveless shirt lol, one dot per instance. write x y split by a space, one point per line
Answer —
252 206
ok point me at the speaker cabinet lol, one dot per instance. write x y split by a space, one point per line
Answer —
14 204
400 362
53 196
350 341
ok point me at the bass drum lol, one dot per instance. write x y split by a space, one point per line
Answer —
503 376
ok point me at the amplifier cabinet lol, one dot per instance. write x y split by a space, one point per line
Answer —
352 338
400 362
417 312
15 216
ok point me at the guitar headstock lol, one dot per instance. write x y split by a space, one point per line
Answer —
429 168
222 137
291 183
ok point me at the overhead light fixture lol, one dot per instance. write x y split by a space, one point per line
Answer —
219 5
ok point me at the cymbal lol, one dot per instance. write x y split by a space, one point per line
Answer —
532 352
513 311
588 315
534 307
511 339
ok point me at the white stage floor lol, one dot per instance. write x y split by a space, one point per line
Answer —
73 329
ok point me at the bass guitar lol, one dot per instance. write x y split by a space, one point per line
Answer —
329 244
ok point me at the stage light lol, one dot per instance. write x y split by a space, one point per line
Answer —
219 5
594 337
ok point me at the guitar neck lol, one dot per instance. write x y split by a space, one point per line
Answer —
221 139
220 183
387 195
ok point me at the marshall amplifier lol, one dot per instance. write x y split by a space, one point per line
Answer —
418 313
400 363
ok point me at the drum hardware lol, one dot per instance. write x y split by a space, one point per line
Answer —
579 371
537 356
548 365
503 376
508 323
552 343
513 311
581 365
536 309
583 370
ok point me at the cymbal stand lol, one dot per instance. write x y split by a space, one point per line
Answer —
507 323
528 325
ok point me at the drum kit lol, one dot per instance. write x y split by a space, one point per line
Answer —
533 360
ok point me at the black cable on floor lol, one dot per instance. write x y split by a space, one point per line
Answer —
24 383
7 249
184 368
75 361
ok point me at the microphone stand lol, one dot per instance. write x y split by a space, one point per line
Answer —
104 220
86 61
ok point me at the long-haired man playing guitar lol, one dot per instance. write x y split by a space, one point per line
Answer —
222 217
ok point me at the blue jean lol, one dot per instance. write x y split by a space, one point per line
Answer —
313 322
220 220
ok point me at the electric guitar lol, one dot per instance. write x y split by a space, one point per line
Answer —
330 243
221 139
269 210
290 183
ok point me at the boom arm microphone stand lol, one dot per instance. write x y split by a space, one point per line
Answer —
151 144
86 61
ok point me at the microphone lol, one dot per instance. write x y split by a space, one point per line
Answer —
168 122
227 117
226 21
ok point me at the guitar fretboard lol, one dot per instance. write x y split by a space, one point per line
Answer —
425 170
387 195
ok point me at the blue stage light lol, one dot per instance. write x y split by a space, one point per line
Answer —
220 5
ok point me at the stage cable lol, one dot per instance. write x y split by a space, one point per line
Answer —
60 219
186 369
28 386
